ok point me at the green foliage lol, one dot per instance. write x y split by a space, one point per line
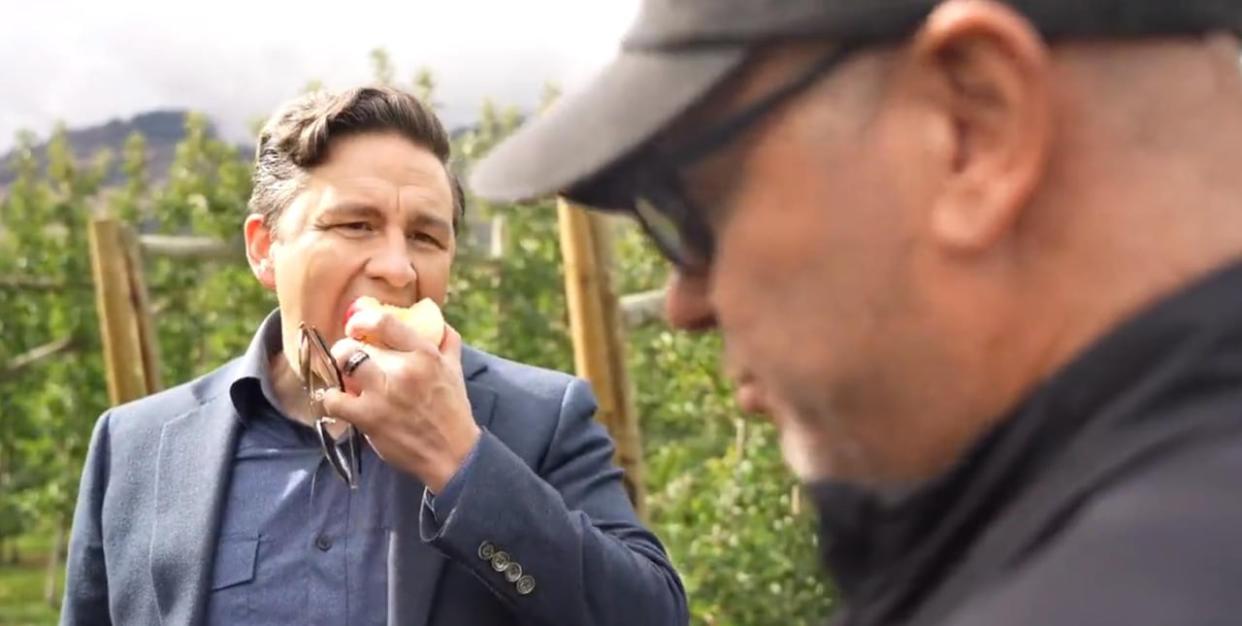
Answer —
205 313
424 87
22 585
720 498
381 66
46 412
719 494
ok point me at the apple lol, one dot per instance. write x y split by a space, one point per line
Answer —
423 317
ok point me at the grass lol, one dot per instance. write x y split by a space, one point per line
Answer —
21 585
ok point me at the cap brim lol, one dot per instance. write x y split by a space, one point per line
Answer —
586 132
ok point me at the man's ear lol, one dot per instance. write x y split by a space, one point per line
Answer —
990 74
259 239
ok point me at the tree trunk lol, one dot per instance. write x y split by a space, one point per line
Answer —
51 591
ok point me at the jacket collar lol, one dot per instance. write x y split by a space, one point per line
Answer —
896 548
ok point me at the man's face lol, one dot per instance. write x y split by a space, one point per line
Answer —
818 280
375 218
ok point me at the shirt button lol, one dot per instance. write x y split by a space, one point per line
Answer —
486 550
323 542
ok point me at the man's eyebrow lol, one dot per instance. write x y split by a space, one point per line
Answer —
354 207
429 220
419 219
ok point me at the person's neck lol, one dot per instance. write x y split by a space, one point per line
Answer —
1143 245
1090 261
289 389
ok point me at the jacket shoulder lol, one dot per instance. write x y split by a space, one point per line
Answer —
153 411
1161 545
511 378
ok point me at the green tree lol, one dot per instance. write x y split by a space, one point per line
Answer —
48 405
381 66
424 87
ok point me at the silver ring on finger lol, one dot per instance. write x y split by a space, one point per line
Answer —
356 359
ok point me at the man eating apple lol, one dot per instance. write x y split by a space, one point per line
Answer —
359 464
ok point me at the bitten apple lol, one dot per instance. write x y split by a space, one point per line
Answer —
424 317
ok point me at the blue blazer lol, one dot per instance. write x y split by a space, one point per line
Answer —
543 488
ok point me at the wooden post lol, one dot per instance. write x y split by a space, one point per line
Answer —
599 354
187 247
142 311
124 319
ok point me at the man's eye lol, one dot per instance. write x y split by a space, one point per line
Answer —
354 226
426 239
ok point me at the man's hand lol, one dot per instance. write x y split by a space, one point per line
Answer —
409 397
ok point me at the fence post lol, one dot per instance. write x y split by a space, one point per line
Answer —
124 314
599 349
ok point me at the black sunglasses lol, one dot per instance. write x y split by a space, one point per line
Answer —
320 373
681 231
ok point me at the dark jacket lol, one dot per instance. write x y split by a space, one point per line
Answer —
1111 496
543 490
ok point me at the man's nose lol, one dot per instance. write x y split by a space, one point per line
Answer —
392 263
686 305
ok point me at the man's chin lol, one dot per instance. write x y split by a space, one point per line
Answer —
815 456
808 464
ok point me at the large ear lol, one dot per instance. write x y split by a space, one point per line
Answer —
259 239
990 73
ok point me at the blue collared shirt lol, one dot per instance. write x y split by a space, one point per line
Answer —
296 545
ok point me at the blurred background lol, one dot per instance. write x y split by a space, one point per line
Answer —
144 112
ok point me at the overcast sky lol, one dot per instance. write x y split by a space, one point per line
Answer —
88 61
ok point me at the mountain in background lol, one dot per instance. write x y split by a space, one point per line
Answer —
163 130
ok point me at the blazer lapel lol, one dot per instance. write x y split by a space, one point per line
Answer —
414 567
192 475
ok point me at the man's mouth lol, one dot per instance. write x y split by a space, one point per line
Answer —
352 305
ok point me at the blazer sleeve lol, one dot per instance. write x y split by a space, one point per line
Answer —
562 545
86 580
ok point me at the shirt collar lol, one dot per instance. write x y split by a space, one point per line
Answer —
252 391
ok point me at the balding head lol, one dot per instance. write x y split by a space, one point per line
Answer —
943 223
